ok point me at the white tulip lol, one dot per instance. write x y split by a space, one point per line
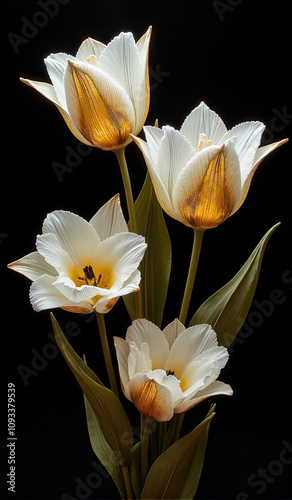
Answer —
170 371
83 266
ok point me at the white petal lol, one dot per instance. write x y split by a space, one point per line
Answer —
76 236
189 344
90 47
44 295
122 350
121 61
49 247
75 293
153 136
169 381
160 189
174 153
143 47
109 220
203 370
214 389
32 266
261 153
152 399
143 331
202 120
105 303
46 89
123 252
139 359
172 331
56 65
248 137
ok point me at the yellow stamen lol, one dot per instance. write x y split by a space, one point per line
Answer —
203 142
92 60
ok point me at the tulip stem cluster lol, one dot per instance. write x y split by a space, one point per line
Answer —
197 244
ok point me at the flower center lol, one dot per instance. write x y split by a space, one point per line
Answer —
203 143
102 276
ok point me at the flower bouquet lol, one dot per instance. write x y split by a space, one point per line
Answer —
199 175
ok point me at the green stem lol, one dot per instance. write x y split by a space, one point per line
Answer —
106 353
198 237
170 433
127 481
178 426
120 154
145 431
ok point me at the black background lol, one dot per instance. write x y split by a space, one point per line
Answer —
236 57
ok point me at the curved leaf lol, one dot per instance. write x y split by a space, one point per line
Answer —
113 420
102 449
227 309
167 475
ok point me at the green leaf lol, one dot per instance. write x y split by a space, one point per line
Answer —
102 449
156 265
135 469
113 420
167 475
196 465
227 309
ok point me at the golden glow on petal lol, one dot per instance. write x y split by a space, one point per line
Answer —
144 398
212 201
103 126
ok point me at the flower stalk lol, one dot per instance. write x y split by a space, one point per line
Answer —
121 157
106 353
197 244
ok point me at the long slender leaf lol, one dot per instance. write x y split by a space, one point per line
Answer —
167 475
196 465
156 266
227 309
102 449
113 420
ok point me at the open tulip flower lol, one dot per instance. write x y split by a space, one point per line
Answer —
103 92
170 371
202 173
83 266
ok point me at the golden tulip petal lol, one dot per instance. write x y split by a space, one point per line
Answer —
209 187
100 108
151 399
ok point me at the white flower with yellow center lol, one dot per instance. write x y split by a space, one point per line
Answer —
83 266
170 371
103 92
202 173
